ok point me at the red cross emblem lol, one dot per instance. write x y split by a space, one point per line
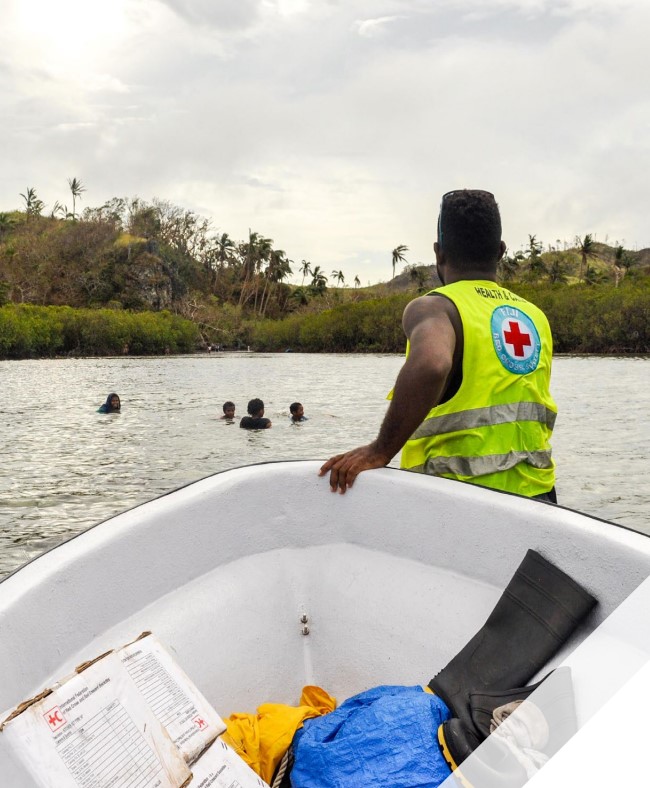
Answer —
54 719
200 723
517 339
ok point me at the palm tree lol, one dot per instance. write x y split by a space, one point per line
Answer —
623 261
6 223
254 253
279 268
627 261
219 256
263 252
586 249
557 271
33 206
57 208
77 188
619 251
283 269
593 276
534 246
398 256
508 266
418 276
339 276
225 247
318 281
305 270
301 296
536 266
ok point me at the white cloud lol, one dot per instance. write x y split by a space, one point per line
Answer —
372 27
284 117
227 15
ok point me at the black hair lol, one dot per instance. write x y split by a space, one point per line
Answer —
469 229
294 406
254 407
228 404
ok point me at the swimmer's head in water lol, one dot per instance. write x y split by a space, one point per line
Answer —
255 407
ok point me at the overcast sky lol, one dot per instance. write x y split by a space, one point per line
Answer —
334 127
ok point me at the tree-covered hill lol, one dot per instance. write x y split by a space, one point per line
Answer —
137 257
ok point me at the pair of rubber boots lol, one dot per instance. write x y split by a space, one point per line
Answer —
538 611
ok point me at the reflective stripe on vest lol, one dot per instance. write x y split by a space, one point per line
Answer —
481 466
485 417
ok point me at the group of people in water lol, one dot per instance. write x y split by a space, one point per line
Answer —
255 420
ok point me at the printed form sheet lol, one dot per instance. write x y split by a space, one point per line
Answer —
221 767
95 731
187 716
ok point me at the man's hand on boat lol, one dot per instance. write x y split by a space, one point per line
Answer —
344 468
428 325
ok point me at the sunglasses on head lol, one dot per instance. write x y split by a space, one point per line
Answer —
449 194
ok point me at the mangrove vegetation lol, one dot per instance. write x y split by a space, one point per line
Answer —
137 277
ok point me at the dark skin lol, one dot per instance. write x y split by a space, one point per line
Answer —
259 415
434 330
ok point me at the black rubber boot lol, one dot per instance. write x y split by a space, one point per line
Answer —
554 700
539 609
495 765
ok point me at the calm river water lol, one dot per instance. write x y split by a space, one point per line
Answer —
66 467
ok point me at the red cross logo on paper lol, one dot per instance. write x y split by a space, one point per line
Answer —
516 340
200 723
54 719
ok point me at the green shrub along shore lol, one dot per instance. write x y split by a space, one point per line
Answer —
604 319
584 319
28 331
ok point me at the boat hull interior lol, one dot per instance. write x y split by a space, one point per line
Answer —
260 580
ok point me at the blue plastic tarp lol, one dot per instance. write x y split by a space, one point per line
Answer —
386 736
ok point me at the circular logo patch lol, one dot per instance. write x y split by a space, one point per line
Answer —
515 339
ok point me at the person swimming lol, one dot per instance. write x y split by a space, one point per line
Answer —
255 419
297 413
228 410
112 404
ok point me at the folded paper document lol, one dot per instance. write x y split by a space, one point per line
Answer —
95 729
131 718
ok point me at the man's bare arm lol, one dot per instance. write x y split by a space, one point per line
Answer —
427 323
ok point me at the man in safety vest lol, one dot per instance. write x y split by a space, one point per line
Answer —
472 401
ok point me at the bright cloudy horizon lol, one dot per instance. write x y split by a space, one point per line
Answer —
333 128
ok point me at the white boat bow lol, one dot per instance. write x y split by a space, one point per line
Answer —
260 580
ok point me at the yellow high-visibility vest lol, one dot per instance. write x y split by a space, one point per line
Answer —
495 430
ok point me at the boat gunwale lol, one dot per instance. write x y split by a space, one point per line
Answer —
286 462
